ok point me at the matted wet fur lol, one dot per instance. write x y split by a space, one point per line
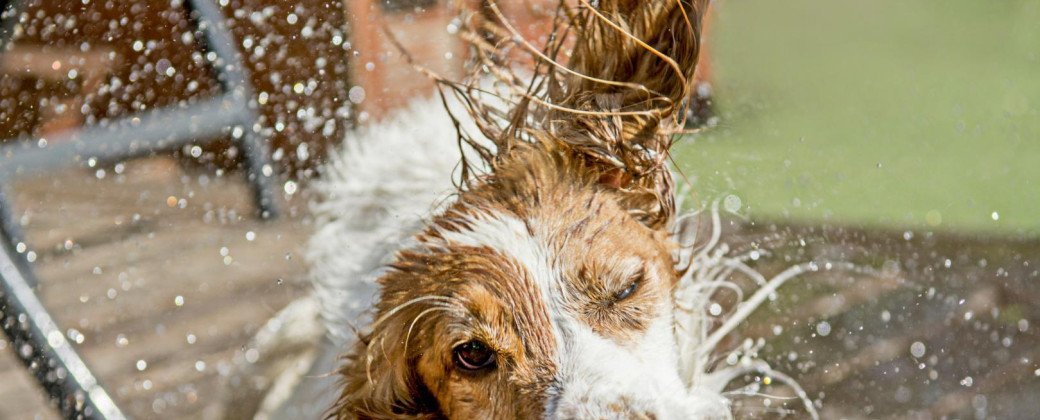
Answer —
548 288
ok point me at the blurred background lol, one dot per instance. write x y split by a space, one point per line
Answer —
156 159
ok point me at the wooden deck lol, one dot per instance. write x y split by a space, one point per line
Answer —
161 275
165 295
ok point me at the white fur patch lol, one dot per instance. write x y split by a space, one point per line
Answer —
376 191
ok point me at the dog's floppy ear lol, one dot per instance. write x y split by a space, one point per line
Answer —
380 380
614 103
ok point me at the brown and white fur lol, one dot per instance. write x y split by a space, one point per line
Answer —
548 285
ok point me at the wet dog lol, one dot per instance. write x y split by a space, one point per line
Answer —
549 284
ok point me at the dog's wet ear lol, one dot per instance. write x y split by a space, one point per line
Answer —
380 380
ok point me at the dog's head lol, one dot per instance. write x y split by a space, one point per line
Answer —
535 295
545 289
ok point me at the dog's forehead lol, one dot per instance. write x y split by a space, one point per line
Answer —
551 240
544 253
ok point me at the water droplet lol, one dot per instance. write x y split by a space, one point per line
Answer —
715 309
75 335
179 300
55 339
190 338
823 328
290 187
141 365
917 349
122 341
252 355
731 203
967 381
356 94
164 67
250 236
886 316
200 366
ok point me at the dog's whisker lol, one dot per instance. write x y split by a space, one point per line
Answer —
392 311
419 316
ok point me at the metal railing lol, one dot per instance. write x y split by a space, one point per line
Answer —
35 337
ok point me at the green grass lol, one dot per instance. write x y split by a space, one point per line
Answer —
903 115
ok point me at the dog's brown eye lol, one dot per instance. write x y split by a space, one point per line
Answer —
474 355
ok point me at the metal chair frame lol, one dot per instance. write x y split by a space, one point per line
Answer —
56 365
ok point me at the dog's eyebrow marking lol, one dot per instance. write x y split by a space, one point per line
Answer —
518 241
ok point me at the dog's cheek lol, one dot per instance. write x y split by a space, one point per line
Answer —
458 396
469 399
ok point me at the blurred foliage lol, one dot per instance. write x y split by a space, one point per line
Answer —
906 115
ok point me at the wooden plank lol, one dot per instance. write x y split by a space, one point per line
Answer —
135 288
